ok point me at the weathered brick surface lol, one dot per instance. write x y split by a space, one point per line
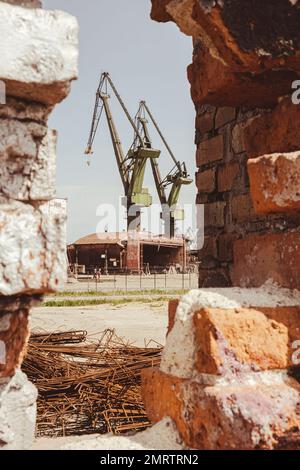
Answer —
242 208
32 250
225 246
209 248
27 151
261 258
227 175
172 307
274 131
215 214
255 415
214 276
25 3
41 65
206 180
22 110
275 182
14 332
205 119
224 116
238 141
210 150
244 339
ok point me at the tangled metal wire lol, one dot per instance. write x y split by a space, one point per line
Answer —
88 386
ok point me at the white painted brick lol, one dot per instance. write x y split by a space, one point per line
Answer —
27 161
32 249
39 52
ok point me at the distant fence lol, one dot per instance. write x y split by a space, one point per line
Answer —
142 282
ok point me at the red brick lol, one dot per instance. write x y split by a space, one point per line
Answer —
259 258
172 307
215 214
217 417
209 248
217 277
274 132
227 174
242 208
275 182
245 339
206 181
159 11
14 334
224 116
205 120
225 246
210 150
214 83
238 141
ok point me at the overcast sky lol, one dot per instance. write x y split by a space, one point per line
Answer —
146 60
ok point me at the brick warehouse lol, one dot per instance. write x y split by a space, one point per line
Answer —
227 376
120 252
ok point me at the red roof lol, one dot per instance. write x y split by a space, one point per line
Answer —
112 238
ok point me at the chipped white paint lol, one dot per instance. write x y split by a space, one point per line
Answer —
39 52
27 161
32 250
179 354
17 412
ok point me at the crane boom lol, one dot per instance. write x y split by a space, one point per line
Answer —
117 145
177 177
131 166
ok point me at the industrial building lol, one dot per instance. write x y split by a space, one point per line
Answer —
132 252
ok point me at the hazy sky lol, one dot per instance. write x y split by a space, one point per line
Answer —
146 60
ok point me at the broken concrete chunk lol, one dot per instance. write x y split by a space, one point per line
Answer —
38 53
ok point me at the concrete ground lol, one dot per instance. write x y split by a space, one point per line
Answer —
136 322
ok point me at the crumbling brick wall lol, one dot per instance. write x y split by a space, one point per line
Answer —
227 376
37 68
242 68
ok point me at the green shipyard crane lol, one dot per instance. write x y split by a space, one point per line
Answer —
176 178
131 165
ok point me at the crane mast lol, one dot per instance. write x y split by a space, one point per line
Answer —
131 166
177 177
